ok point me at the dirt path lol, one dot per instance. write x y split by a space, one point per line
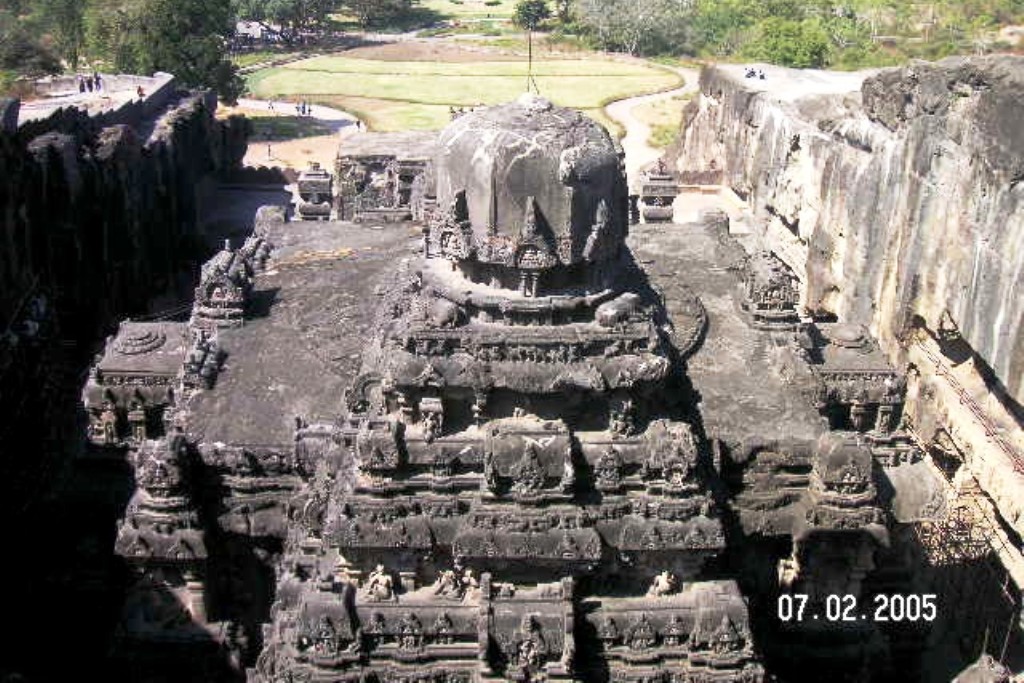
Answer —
638 152
298 152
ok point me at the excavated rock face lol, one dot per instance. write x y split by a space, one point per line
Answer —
896 196
529 169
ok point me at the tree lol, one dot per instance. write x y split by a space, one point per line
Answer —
529 14
20 52
60 22
638 26
287 18
187 38
375 12
563 8
801 44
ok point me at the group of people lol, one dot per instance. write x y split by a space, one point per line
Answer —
755 73
302 108
90 83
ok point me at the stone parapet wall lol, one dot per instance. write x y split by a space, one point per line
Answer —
123 106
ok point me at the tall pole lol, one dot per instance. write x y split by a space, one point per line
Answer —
529 69
529 52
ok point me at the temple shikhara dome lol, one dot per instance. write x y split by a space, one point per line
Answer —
530 192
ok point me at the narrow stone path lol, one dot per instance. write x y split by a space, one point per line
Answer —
638 152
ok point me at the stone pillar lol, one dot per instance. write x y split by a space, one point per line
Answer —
196 591
408 580
137 423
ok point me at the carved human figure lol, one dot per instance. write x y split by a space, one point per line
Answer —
568 482
325 638
623 419
443 629
490 472
410 635
431 427
108 424
530 646
137 420
608 632
726 638
448 585
608 470
674 631
528 474
642 635
380 585
664 584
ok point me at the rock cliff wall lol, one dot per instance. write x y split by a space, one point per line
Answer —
894 194
94 221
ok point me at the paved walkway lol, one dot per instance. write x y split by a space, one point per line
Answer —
335 119
638 152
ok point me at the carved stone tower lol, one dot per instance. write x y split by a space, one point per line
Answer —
509 425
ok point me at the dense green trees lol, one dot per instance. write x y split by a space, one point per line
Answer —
375 12
799 33
789 42
290 18
636 26
287 18
187 38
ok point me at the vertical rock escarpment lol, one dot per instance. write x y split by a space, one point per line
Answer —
95 220
897 198
894 194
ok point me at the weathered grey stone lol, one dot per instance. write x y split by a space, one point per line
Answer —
502 156
9 108
872 188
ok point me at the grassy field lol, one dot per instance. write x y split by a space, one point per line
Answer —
471 9
404 95
244 59
664 118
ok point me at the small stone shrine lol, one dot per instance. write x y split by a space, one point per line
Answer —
314 187
658 191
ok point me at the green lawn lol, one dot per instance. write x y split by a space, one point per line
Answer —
664 117
421 92
244 59
470 9
287 128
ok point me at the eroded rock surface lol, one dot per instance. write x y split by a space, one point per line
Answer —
893 194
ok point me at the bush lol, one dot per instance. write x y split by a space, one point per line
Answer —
801 44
